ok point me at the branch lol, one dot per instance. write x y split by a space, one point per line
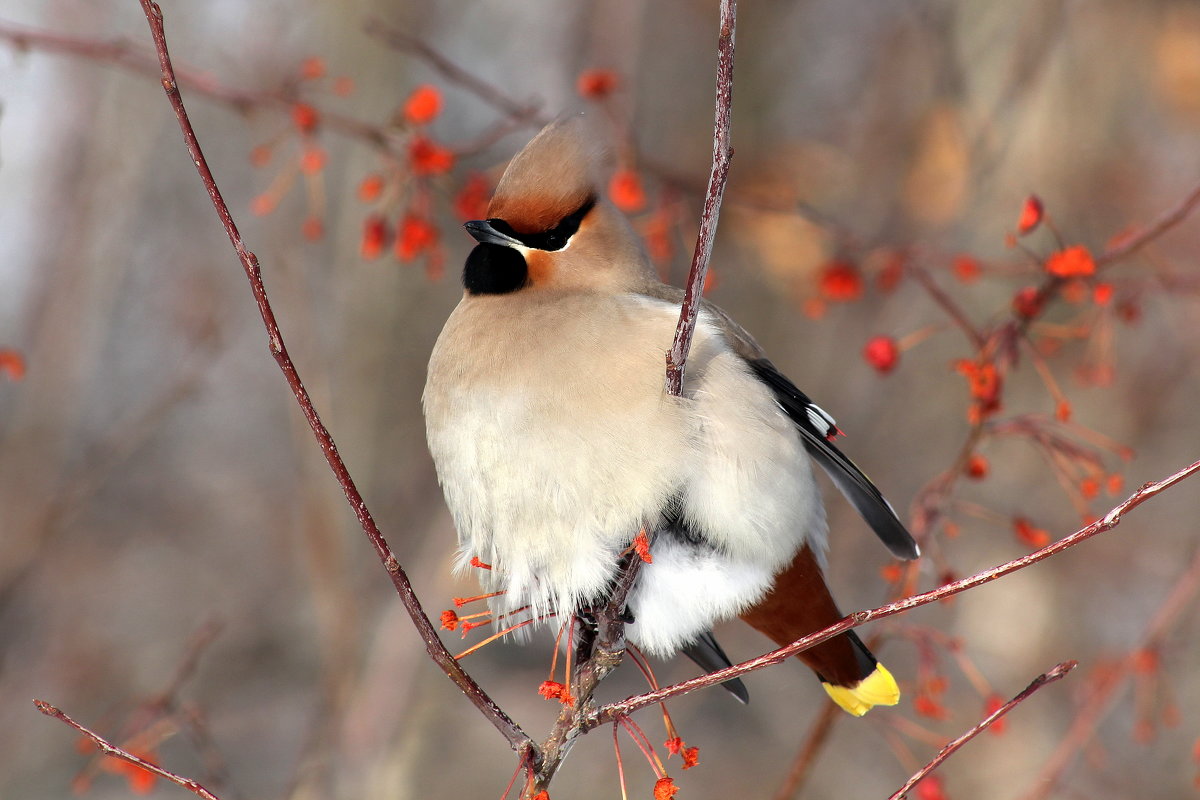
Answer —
123 53
722 154
1097 706
948 305
517 738
817 736
528 112
612 711
1163 224
606 655
1045 678
110 749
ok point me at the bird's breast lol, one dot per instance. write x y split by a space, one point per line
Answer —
553 439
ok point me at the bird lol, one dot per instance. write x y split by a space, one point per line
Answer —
555 442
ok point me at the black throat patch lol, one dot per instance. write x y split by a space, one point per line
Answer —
494 269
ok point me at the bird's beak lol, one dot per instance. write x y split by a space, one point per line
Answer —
483 232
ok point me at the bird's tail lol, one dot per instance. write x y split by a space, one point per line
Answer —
799 604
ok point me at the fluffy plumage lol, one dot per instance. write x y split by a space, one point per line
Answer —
555 442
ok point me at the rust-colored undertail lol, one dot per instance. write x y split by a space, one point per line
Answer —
799 604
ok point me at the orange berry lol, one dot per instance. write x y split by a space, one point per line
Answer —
1031 215
426 157
966 269
991 706
1027 533
977 467
312 68
312 160
423 105
1073 262
312 228
596 84
370 188
882 353
415 236
1027 302
626 191
471 202
840 281
262 205
305 117
12 364
374 238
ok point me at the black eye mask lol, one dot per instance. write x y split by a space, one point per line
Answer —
554 239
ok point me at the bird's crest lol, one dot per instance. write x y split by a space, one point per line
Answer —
552 177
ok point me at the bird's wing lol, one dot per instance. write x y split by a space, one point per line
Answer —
818 428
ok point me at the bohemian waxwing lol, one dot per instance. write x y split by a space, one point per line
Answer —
555 442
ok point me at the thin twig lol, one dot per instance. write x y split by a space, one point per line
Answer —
1163 224
110 749
818 734
609 647
1105 696
1053 675
528 112
517 738
722 155
612 711
123 53
952 309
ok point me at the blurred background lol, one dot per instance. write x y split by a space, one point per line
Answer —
162 501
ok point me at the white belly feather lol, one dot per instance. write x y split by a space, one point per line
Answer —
554 450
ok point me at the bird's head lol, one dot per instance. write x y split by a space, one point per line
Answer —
549 226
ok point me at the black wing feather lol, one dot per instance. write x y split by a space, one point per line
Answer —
856 486
709 656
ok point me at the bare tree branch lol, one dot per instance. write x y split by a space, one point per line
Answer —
527 112
612 711
818 735
1168 220
517 738
722 155
125 54
110 749
1053 675
1102 700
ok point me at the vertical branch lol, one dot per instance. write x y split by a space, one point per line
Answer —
609 646
517 738
722 154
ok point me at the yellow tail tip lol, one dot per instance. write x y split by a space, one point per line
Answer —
877 689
